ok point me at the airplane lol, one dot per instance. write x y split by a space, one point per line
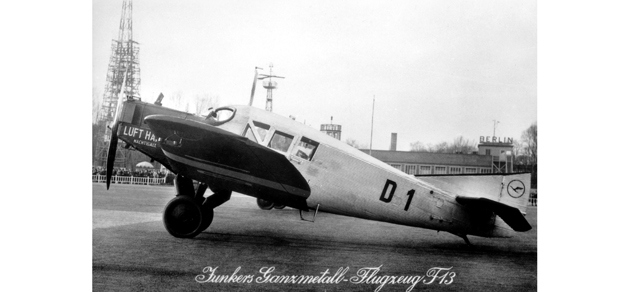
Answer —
283 162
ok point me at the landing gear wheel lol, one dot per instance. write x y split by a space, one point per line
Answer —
208 219
264 205
280 206
184 217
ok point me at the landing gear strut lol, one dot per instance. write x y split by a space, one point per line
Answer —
464 236
467 241
188 214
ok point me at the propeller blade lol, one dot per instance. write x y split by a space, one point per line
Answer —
110 158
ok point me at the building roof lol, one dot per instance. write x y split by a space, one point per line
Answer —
495 145
410 157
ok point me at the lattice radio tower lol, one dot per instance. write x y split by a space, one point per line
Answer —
123 76
269 85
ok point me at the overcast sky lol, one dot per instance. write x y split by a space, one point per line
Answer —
438 69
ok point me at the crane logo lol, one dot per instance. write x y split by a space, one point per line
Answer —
516 189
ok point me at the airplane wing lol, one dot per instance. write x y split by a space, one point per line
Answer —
511 215
218 157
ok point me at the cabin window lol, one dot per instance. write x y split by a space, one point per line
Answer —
248 133
440 170
470 170
486 170
455 170
410 169
261 129
305 148
397 166
280 141
425 169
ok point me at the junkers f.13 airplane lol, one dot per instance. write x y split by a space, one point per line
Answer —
276 159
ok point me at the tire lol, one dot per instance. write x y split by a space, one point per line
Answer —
208 219
183 217
280 206
265 205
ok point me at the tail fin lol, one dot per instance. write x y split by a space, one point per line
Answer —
510 189
506 195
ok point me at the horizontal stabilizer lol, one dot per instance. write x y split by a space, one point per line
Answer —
512 216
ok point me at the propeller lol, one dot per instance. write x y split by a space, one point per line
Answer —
110 158
252 92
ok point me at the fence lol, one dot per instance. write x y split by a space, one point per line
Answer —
533 198
162 180
532 201
131 180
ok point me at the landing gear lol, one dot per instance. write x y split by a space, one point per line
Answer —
183 217
188 214
208 219
467 241
265 205
464 236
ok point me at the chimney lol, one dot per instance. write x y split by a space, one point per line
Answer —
393 142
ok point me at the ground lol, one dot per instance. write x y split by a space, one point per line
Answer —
132 250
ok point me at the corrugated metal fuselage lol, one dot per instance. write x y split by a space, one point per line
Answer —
341 179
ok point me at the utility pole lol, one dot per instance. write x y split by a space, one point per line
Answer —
371 127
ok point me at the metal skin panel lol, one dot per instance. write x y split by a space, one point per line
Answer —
345 185
340 178
346 181
509 189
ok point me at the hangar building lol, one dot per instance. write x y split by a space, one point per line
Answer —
495 156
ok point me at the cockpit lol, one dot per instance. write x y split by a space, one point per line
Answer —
281 141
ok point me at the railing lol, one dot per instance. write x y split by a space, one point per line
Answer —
533 198
131 180
532 202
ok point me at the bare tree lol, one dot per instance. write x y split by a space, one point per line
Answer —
441 147
97 104
354 143
418 147
462 145
205 101
459 145
529 140
177 100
